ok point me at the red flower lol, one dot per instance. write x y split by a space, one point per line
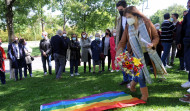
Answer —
140 65
135 69
131 58
130 66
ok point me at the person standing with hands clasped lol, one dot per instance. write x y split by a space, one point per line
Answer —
85 43
75 55
2 64
45 49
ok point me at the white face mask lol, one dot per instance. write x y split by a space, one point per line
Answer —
130 21
157 27
114 34
64 35
84 36
97 38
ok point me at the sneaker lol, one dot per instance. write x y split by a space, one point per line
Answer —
185 100
112 70
186 85
187 95
30 75
117 70
45 73
77 74
72 75
168 67
188 90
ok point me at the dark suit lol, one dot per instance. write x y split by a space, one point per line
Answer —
17 62
186 41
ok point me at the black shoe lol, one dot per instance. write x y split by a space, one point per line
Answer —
124 82
171 64
93 73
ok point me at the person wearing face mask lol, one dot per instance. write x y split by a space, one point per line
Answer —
58 52
66 42
96 47
141 38
167 32
45 49
86 55
2 64
121 21
28 58
74 55
113 51
185 40
175 21
159 47
106 49
17 56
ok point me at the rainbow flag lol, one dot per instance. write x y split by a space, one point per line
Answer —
97 102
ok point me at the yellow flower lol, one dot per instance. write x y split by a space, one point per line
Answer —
136 61
137 74
127 63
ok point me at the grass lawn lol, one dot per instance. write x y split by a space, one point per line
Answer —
30 93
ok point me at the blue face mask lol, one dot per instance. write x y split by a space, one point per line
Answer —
171 19
97 38
42 36
74 38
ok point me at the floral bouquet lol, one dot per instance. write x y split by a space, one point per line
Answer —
129 64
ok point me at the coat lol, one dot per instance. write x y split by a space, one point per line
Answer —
45 46
118 31
96 47
153 36
3 57
75 50
13 52
28 52
112 48
85 48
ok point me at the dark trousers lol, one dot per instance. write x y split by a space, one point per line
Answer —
159 50
48 59
182 63
109 61
65 64
29 67
16 73
74 63
2 77
89 63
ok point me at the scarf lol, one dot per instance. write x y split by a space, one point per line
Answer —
138 40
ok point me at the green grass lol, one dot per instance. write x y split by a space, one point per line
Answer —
30 93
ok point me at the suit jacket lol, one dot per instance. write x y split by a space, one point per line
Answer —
118 31
151 31
13 55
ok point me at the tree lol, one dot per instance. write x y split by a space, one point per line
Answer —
158 17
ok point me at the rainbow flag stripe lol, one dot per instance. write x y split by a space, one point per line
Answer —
96 102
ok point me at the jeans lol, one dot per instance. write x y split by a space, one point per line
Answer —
74 63
48 59
2 77
140 79
166 52
174 48
29 67
89 63
59 64
65 63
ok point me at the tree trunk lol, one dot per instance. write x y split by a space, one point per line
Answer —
42 21
10 28
64 22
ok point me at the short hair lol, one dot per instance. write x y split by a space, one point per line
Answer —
185 11
121 3
59 32
166 16
176 15
97 35
45 33
21 41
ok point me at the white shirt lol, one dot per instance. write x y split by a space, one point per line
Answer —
18 56
124 20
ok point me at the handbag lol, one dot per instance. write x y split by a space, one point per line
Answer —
32 58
